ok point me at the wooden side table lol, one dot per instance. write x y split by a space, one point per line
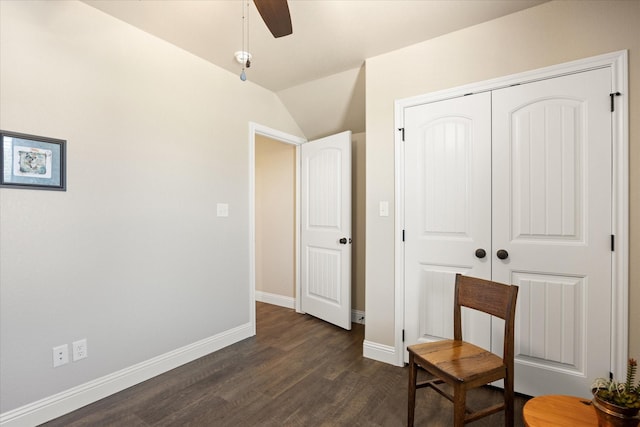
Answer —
556 410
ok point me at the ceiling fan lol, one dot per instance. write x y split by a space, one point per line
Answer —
275 14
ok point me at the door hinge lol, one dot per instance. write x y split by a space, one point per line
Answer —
611 375
613 95
403 335
613 243
402 130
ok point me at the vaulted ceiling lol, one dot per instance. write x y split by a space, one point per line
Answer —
318 71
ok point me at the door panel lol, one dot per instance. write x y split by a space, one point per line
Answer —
547 184
326 219
552 214
448 209
551 318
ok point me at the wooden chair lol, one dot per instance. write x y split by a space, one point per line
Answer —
462 365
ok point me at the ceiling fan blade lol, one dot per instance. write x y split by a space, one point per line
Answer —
275 14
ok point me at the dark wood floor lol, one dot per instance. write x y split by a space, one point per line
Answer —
297 371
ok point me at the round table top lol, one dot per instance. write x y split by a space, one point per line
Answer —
557 410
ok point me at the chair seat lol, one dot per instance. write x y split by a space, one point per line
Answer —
458 361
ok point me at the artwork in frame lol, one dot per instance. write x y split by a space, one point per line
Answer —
32 162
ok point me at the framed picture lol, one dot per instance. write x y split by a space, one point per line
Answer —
33 162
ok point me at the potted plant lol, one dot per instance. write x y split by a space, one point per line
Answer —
617 403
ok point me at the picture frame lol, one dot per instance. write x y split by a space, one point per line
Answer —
32 162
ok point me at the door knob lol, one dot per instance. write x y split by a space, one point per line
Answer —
502 254
481 253
343 241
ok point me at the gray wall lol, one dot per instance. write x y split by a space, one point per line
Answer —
132 256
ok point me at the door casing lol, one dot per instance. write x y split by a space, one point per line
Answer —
618 62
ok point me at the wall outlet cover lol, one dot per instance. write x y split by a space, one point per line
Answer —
222 209
79 349
60 355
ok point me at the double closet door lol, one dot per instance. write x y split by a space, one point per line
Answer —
514 185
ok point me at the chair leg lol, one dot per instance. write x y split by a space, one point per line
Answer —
413 377
459 405
508 400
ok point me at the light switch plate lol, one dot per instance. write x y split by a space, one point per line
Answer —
384 208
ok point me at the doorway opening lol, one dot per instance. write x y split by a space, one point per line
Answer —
275 207
279 144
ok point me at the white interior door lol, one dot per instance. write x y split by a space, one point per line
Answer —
552 214
326 229
447 152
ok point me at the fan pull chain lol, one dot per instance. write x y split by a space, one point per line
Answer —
248 62
245 60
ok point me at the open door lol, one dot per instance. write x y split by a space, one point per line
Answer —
326 229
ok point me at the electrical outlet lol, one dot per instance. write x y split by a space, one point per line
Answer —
222 209
79 349
60 355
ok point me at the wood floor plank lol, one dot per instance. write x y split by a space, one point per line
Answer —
297 371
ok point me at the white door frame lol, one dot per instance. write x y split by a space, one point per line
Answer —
258 129
618 62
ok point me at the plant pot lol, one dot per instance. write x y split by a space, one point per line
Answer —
610 415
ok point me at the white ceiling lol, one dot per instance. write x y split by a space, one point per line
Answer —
330 38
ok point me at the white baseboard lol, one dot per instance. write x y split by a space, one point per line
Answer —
380 352
69 400
275 299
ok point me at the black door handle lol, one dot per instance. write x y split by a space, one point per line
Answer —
481 253
343 241
502 254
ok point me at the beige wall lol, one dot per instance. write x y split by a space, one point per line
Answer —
358 186
552 33
338 104
275 216
132 256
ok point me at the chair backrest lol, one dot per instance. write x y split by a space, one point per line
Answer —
489 297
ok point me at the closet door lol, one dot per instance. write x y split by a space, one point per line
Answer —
552 215
447 159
